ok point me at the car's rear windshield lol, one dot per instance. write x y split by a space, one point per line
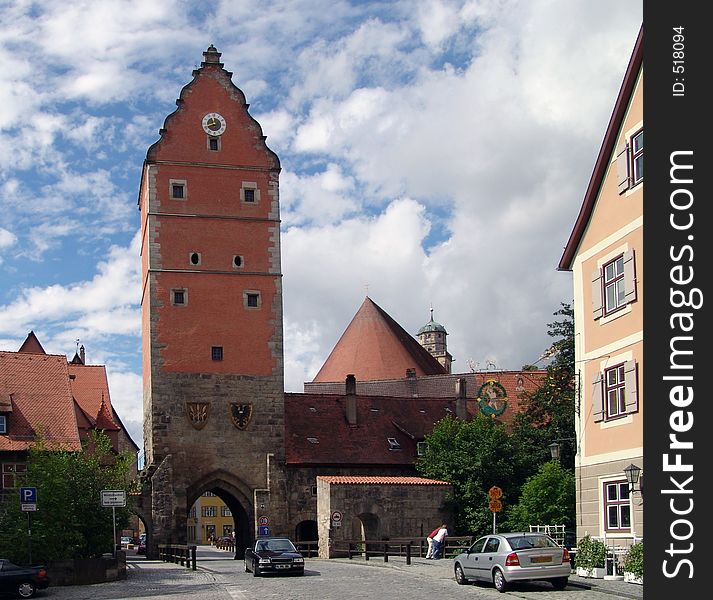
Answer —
531 541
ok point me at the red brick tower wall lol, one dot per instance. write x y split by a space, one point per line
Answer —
214 220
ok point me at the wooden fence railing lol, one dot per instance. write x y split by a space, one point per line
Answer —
183 555
403 547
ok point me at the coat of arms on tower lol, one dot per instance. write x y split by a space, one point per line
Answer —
198 413
492 398
240 414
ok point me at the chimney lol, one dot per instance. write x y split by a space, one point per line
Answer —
351 400
81 354
461 410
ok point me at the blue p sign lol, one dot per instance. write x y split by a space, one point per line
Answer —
28 495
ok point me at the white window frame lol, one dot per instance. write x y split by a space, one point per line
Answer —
621 502
637 158
3 424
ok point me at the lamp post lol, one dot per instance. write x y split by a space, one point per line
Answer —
555 450
633 472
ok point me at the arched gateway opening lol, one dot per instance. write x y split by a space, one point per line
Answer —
207 519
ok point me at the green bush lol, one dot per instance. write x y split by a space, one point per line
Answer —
634 560
591 554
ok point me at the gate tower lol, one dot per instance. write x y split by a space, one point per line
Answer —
211 308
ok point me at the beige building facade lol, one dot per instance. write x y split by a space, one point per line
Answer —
605 255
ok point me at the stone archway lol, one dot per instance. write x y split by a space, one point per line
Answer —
235 494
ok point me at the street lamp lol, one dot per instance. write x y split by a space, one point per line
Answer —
633 473
554 450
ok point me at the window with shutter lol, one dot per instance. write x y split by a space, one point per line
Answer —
622 167
615 392
597 399
637 158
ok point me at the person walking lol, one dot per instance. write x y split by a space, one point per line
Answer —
438 541
429 539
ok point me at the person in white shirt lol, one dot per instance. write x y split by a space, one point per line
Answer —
438 541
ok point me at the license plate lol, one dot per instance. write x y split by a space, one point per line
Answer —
541 559
282 566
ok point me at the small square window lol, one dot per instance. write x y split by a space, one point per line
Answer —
252 299
3 424
216 353
177 190
249 192
213 144
179 297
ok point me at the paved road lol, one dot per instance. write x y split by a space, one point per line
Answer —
220 577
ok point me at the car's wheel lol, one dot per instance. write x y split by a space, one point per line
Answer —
499 580
460 575
26 589
256 572
560 583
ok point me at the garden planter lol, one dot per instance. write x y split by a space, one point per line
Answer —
631 578
594 573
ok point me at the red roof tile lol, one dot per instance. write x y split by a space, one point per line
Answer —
373 347
91 391
373 480
38 386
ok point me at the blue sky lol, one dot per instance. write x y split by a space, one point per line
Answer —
434 153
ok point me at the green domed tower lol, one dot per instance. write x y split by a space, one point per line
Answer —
432 336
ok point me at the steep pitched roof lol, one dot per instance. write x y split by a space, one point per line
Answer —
375 347
605 152
90 389
38 387
32 344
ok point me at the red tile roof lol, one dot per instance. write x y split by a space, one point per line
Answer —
91 391
317 431
373 347
373 480
38 387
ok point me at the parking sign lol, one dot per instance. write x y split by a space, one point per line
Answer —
28 499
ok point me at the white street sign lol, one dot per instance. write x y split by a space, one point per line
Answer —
113 498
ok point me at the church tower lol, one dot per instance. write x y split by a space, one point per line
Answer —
432 336
211 303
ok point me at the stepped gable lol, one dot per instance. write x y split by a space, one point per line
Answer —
37 386
318 432
375 347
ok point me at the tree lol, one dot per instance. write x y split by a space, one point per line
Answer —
472 456
547 414
548 498
70 521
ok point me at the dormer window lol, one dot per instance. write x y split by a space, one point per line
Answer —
3 424
313 440
420 448
393 444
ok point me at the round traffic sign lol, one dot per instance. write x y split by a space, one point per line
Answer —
263 520
336 516
495 493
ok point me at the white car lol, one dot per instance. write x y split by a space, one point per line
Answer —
510 557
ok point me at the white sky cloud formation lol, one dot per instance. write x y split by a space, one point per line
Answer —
434 153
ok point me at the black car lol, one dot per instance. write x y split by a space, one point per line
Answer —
22 581
274 555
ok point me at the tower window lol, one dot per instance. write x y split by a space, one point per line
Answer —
251 299
216 353
213 144
249 192
238 261
179 297
178 189
195 258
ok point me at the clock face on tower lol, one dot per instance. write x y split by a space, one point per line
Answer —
214 124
